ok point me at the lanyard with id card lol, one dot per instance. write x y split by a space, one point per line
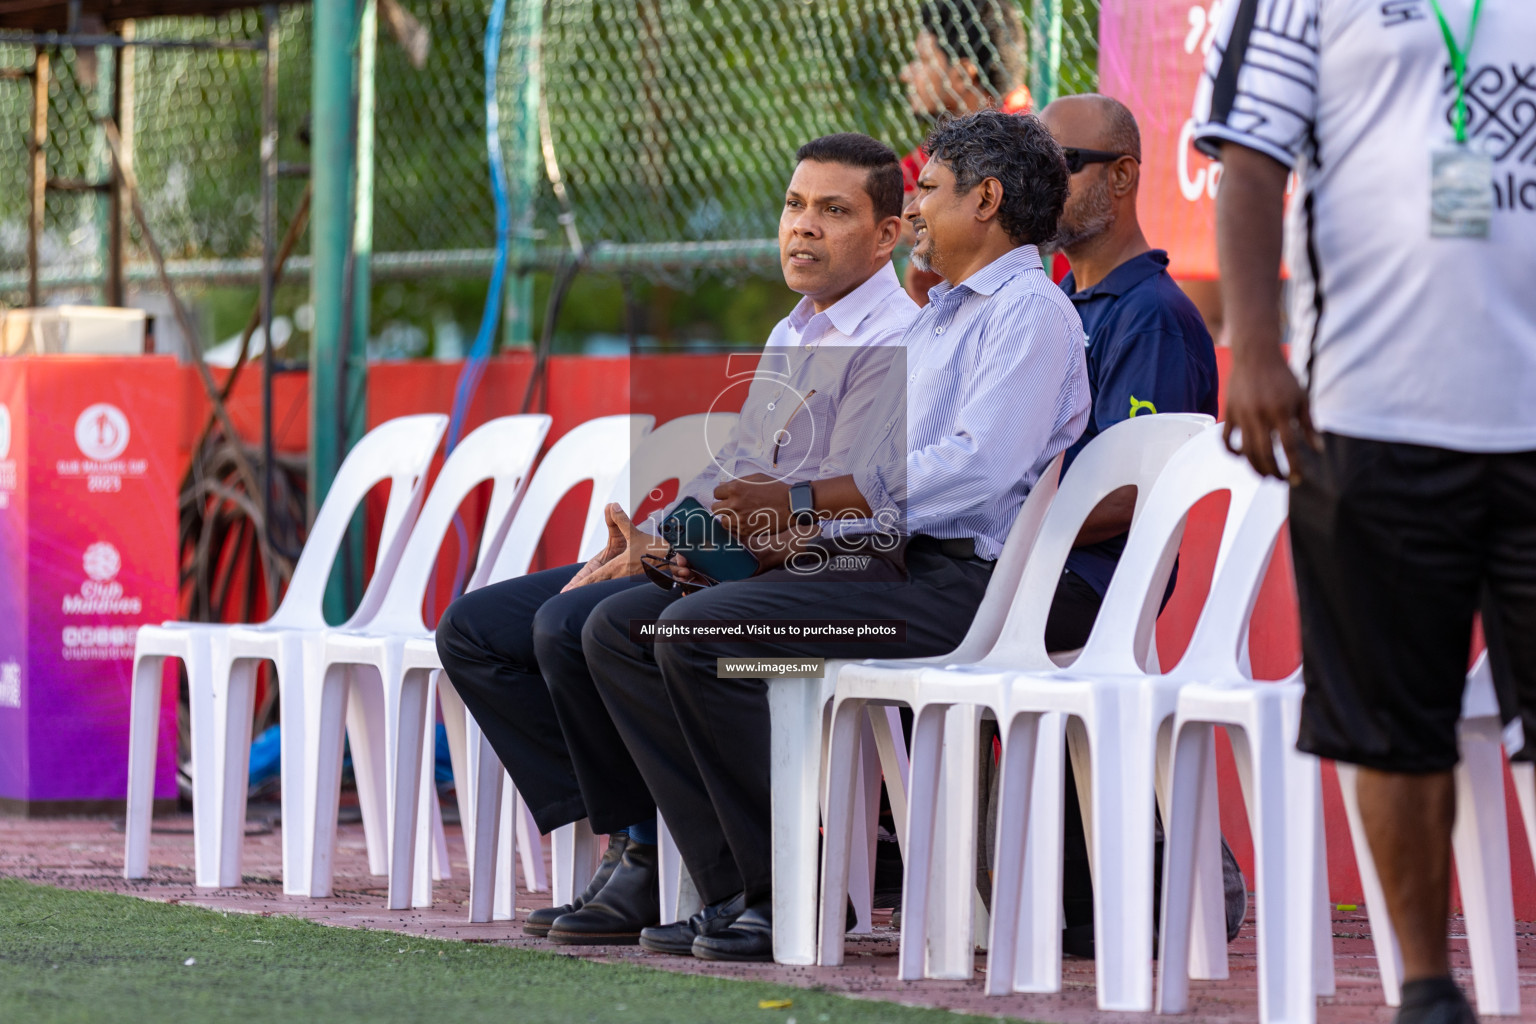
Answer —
1461 180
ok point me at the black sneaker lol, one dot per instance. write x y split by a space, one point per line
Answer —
1434 1001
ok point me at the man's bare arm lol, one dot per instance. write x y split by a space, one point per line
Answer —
1110 518
759 504
1264 399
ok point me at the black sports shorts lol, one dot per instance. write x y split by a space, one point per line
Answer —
1396 547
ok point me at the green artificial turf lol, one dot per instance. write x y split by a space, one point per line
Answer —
96 957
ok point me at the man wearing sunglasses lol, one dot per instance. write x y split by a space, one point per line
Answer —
1148 352
996 387
513 650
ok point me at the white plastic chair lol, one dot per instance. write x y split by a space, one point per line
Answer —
592 451
677 450
1008 631
799 711
1282 787
1480 844
392 716
399 451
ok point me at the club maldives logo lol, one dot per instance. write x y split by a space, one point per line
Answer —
101 593
101 432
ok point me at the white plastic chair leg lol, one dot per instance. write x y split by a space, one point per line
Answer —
795 707
1122 880
1322 907
410 794
922 809
1208 934
1389 957
574 860
891 748
844 756
298 787
866 818
506 854
1284 861
1012 902
1037 964
233 764
1480 840
370 765
670 863
330 720
952 942
143 741
482 850
1181 825
532 848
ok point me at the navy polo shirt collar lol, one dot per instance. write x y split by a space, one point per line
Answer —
1122 279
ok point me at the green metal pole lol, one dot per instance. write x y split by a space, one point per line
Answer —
1045 51
524 169
333 161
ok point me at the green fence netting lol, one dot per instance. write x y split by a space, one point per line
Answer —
669 121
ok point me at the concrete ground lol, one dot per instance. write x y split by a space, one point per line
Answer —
86 853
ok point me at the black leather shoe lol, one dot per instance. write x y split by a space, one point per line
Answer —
538 921
629 902
749 939
677 938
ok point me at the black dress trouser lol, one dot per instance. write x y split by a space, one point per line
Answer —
513 652
702 743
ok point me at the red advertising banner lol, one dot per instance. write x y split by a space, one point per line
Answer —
88 482
1150 56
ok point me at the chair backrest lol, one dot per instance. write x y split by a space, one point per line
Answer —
501 451
1122 632
1218 648
399 451
598 450
1132 453
1004 583
678 450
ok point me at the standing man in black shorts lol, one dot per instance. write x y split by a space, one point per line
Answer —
1411 446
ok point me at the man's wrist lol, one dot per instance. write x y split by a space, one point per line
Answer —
802 504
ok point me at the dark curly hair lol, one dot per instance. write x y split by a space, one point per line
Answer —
1019 152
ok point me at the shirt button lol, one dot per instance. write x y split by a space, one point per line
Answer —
914 378
938 330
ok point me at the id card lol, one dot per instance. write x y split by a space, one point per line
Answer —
1460 193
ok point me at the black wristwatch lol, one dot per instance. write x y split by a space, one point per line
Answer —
802 505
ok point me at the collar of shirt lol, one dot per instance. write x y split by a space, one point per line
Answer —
1120 280
993 276
847 313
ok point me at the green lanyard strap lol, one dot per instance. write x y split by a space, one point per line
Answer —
1459 63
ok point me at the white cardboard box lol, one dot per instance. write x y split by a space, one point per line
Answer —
72 330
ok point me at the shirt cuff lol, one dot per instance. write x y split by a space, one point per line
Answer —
1210 136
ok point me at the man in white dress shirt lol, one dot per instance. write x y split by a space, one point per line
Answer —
996 387
513 650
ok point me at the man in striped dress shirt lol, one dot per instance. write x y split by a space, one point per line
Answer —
996 387
513 649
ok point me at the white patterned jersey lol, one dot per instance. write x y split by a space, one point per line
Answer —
1400 336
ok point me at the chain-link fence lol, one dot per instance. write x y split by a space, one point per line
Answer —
670 121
